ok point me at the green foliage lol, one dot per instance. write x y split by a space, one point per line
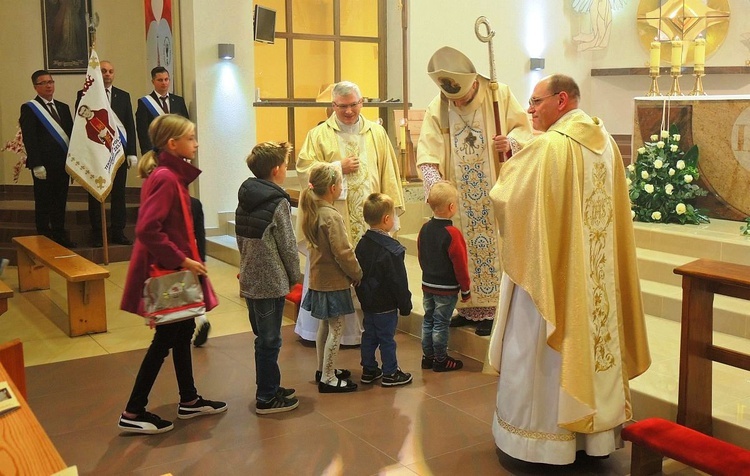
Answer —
745 229
663 181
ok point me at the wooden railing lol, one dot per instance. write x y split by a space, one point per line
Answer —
701 280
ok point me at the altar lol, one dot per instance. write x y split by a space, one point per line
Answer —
720 126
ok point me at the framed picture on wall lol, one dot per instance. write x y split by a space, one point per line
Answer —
66 40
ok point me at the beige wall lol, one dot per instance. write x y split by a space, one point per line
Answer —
120 39
220 93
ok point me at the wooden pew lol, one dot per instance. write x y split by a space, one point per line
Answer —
11 356
87 308
701 279
24 445
5 294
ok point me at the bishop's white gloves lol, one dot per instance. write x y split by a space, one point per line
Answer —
40 172
132 161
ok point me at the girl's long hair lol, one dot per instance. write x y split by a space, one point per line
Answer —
322 176
161 129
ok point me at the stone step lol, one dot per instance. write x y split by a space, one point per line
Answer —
731 315
659 266
719 240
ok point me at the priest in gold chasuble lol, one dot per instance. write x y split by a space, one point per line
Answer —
457 143
570 330
364 155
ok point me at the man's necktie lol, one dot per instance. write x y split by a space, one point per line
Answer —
164 104
53 111
109 98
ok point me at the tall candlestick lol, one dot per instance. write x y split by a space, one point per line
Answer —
655 57
403 134
676 55
700 53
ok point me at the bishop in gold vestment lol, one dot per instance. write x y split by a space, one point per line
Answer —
570 328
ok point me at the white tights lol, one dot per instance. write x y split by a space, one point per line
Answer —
327 346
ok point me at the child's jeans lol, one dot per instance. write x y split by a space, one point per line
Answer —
379 331
265 319
437 315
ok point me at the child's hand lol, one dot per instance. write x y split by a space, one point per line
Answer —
356 283
465 296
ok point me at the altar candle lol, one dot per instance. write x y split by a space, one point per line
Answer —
700 53
403 134
676 56
655 57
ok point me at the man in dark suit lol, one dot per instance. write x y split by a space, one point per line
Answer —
159 102
122 107
46 125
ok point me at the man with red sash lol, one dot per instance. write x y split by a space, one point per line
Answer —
46 125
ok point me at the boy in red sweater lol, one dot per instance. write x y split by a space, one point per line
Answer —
445 273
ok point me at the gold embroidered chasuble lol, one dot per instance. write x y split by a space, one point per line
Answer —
378 170
459 142
566 238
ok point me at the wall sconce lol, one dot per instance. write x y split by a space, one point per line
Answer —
536 64
226 51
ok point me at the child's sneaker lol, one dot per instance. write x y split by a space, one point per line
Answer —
202 335
285 392
447 365
427 362
200 407
370 375
277 404
146 423
396 378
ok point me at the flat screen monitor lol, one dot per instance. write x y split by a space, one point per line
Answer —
264 24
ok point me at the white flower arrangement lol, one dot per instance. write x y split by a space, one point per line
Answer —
662 180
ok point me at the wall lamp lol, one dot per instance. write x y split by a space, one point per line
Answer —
226 51
536 64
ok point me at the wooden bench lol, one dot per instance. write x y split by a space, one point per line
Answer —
5 294
701 279
294 299
87 307
653 438
24 445
11 356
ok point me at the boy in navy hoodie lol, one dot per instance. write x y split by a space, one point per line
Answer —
383 291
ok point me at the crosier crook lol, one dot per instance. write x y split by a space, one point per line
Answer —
487 38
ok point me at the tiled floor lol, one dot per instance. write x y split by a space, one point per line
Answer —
440 424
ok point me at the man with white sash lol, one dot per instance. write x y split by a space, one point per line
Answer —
457 143
570 328
46 125
119 101
362 151
159 102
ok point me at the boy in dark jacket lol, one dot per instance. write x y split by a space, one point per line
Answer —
269 266
445 274
383 291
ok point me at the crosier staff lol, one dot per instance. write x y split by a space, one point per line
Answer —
487 38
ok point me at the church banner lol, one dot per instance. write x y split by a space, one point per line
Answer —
159 40
96 146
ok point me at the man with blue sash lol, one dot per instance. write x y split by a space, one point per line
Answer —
151 106
122 107
159 102
46 125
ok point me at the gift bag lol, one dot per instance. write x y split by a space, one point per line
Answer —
172 295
